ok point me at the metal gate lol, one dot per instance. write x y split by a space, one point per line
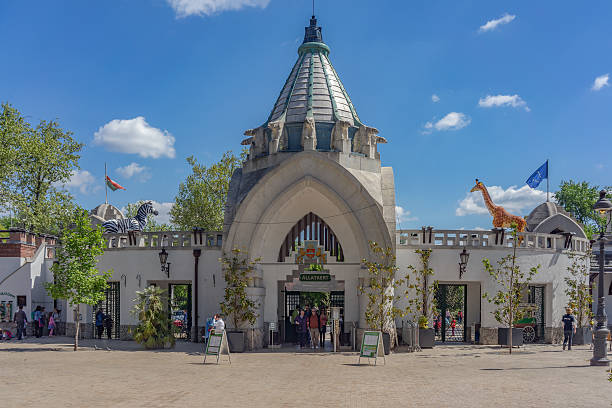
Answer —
450 313
292 303
111 307
179 307
536 297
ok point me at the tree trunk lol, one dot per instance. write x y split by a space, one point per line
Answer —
76 331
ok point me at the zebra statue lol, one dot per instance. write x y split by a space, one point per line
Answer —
131 224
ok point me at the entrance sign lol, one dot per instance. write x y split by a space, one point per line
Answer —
315 277
217 344
372 346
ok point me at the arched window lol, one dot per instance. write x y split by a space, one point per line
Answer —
311 228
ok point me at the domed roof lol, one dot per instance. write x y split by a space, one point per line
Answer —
105 212
542 212
313 88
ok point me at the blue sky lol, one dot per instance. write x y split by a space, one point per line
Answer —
516 83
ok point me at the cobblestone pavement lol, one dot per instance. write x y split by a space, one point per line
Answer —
47 373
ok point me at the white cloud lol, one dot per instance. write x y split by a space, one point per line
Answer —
514 101
162 208
600 82
452 121
184 8
513 199
493 24
142 173
435 98
81 181
135 136
403 215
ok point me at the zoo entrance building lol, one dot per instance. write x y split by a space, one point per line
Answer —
313 189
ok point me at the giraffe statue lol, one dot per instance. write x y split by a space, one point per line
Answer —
501 217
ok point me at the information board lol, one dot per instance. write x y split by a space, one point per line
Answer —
217 344
372 346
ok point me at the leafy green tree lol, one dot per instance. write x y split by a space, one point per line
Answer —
511 282
152 225
75 275
578 199
238 273
380 288
13 128
200 201
578 290
421 289
35 163
154 330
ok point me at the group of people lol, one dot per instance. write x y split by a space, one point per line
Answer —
214 324
450 321
103 321
310 326
41 320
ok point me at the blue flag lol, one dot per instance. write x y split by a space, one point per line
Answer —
540 174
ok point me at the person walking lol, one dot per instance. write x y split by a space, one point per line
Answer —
453 325
51 325
322 327
99 323
569 328
43 320
37 327
21 320
108 324
301 327
313 324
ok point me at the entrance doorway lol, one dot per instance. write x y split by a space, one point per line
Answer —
296 300
110 307
179 308
450 313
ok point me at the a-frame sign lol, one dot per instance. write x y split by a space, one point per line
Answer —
217 344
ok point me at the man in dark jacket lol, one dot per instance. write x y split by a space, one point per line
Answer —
569 328
301 327
21 320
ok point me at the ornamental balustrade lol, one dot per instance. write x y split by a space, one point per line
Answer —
493 239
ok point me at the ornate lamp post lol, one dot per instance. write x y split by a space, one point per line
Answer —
602 207
463 261
163 258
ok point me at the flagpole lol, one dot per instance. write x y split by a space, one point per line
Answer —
547 180
105 184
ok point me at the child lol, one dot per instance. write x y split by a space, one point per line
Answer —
51 324
453 325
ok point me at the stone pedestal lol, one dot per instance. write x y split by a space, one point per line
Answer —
488 335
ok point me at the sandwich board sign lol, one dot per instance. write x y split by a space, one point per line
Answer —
217 344
372 346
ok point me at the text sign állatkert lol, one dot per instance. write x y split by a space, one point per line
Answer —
315 277
371 346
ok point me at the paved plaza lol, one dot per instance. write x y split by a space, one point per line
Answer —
48 373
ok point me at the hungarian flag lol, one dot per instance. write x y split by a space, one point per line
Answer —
113 185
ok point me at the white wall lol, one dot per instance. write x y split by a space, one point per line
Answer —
444 262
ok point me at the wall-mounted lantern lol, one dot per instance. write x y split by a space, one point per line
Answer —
464 256
163 260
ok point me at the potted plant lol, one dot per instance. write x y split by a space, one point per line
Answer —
512 282
238 308
154 330
421 302
580 299
380 288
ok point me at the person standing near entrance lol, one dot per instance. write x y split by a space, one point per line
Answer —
301 327
313 324
21 320
108 324
569 328
322 326
99 323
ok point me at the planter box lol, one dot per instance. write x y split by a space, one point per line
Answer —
387 342
582 336
502 336
236 341
426 338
